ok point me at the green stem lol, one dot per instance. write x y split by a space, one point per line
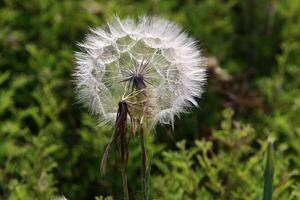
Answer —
125 186
144 165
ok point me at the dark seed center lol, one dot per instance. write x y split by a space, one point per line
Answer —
138 82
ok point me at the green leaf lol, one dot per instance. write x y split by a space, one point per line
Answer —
269 172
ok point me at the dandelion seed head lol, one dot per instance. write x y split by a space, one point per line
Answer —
149 53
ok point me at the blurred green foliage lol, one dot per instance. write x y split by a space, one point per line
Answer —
50 146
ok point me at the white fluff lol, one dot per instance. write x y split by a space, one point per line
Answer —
175 74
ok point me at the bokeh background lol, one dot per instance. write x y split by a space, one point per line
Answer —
50 146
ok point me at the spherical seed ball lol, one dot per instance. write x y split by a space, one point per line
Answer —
151 51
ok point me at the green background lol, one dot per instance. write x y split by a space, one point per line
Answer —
50 146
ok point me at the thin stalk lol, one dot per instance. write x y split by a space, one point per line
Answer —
125 185
124 169
124 157
144 165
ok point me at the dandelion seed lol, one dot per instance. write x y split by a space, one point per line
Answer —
150 53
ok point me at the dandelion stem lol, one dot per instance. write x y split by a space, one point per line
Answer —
144 165
124 181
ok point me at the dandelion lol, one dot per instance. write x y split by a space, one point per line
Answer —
146 71
150 52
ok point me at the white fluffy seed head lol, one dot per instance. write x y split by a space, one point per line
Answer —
150 48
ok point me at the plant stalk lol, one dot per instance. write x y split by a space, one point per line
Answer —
144 165
125 185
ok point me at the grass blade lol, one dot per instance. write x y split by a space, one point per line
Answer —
269 172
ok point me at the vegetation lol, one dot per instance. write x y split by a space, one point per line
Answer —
50 146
